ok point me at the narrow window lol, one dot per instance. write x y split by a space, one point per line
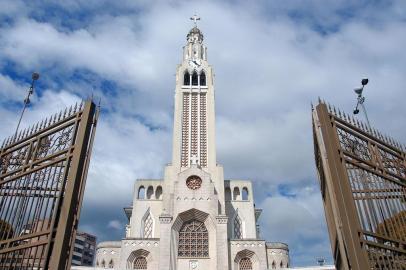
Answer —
103 264
237 227
202 79
150 192
236 194
141 193
194 78
273 265
111 264
148 226
246 264
158 193
228 194
186 78
245 194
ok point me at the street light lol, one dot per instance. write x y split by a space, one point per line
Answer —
361 99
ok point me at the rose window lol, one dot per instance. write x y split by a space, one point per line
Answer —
194 182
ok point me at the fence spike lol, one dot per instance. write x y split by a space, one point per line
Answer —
74 108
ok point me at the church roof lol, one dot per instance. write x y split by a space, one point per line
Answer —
195 31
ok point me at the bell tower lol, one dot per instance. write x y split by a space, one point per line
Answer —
194 119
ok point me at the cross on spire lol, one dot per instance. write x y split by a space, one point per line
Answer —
195 18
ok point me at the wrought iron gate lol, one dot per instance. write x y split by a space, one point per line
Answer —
42 178
363 183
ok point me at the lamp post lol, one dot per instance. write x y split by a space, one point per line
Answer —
34 77
361 100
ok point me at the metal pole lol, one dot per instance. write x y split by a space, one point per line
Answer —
35 76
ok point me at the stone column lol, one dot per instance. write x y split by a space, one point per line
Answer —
222 242
165 221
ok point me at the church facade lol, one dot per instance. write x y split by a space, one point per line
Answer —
193 218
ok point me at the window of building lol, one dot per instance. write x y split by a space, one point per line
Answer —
273 265
111 264
237 227
186 78
140 263
103 264
141 193
245 194
150 192
245 264
158 193
236 193
195 78
203 79
148 226
193 240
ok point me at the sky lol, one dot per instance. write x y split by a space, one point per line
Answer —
271 60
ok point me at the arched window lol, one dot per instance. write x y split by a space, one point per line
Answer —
158 193
237 227
150 192
193 239
245 264
140 263
103 264
273 265
236 193
186 78
111 264
194 78
141 193
148 225
203 79
97 263
228 194
281 265
245 194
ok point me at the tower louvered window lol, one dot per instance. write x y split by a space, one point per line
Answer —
245 264
148 226
140 263
237 227
193 240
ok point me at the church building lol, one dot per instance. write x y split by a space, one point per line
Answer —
193 218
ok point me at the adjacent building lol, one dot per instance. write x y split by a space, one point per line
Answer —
363 185
84 249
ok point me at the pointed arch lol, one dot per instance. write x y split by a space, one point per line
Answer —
111 264
141 193
236 193
186 78
273 265
158 193
245 194
195 78
246 260
202 78
103 264
148 225
281 265
227 194
150 192
139 259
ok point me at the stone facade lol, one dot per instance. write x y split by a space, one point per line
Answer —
192 218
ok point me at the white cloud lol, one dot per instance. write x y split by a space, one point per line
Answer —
115 224
269 67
